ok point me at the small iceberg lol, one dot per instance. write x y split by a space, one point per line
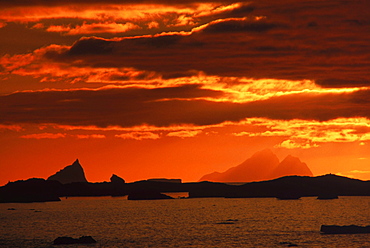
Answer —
147 195
327 196
352 229
69 240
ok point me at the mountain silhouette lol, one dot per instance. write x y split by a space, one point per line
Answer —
263 165
73 173
291 166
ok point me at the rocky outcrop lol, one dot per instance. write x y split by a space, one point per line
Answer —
263 165
117 184
73 173
116 180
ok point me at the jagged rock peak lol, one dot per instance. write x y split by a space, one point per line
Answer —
116 179
70 174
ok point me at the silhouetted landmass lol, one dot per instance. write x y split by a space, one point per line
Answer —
297 186
147 195
314 186
289 187
352 229
70 240
73 173
31 190
263 165
87 189
293 185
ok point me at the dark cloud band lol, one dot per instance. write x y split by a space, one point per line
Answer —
171 106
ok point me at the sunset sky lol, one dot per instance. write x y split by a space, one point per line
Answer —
179 89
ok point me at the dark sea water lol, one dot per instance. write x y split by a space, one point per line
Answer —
204 222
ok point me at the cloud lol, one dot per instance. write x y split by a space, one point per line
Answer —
108 107
360 172
229 52
238 9
256 55
306 134
167 13
231 25
176 105
62 135
90 136
153 24
53 63
44 136
38 3
143 128
138 135
94 28
42 64
290 134
291 144
266 40
184 133
16 128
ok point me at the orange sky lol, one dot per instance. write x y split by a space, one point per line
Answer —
179 90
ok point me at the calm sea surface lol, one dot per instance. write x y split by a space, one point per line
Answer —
204 222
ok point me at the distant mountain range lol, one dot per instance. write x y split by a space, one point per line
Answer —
263 165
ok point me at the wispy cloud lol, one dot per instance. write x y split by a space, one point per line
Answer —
44 136
193 105
138 136
90 136
16 128
94 28
306 134
360 172
184 134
